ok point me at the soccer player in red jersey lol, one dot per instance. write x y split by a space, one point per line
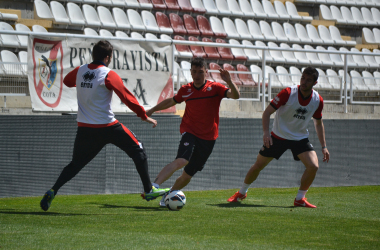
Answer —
295 107
97 125
199 126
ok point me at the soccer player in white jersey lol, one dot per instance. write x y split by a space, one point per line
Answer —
97 125
295 107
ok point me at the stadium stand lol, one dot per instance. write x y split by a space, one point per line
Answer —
121 19
230 28
146 4
370 59
238 52
216 76
183 50
8 40
22 39
258 9
223 8
177 24
300 55
59 14
313 57
105 33
42 10
212 52
150 22
246 79
279 32
288 55
266 30
251 53
254 30
185 5
163 23
186 66
217 27
151 36
75 14
106 19
11 64
234 77
121 34
246 8
235 8
224 52
91 17
90 32
136 35
292 10
268 57
281 10
172 5
39 28
290 32
197 51
276 54
198 7
134 4
204 26
159 5
242 29
283 76
210 7
23 58
335 35
135 20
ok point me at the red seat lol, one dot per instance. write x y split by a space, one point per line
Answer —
246 78
181 48
159 4
162 20
214 75
191 25
177 24
234 77
197 50
185 5
204 26
212 52
224 52
172 5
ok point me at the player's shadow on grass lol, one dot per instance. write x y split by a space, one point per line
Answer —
39 213
238 204
133 207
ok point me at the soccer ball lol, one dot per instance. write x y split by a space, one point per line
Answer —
175 200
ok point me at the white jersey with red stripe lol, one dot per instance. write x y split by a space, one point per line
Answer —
292 118
94 98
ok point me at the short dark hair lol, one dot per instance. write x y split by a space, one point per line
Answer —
101 50
198 62
311 72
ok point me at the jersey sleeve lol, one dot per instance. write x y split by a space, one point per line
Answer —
318 113
178 97
114 82
222 90
71 78
281 98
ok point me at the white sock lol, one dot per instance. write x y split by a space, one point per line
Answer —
301 194
155 185
244 188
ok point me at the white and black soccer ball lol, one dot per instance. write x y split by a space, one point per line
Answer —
175 200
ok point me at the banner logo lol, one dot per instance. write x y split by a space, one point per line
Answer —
140 92
47 71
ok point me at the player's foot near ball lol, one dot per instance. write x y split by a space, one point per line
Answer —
303 203
237 197
154 193
47 199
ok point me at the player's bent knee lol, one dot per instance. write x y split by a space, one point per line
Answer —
180 163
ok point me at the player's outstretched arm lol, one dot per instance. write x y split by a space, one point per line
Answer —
150 120
165 104
320 129
233 92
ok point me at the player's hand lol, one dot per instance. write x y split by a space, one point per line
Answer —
150 120
149 112
326 155
267 140
225 75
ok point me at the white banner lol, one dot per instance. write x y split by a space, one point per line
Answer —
144 67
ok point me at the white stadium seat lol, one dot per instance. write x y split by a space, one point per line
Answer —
326 36
59 13
251 53
242 29
334 79
292 10
324 57
11 64
237 52
281 10
337 15
369 81
268 57
257 73
150 22
350 59
302 33
210 7
39 29
23 58
336 58
22 39
323 81
119 3
258 9
376 15
186 66
291 33
42 10
325 13
254 30
278 31
335 35
276 54
270 76
106 18
283 76
269 10
222 7
266 30
90 32
151 36
300 55
135 20
246 7
75 14
105 33
217 25
359 59
367 16
357 81
312 56
288 55
91 17
107 3
121 19
134 4
358 17
376 34
347 16
368 36
230 28
295 74
235 8
370 59
121 34
136 35
313 34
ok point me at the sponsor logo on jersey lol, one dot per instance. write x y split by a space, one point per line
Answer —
276 100
209 88
300 113
87 78
184 96
186 144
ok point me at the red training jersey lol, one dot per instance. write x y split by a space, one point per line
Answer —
201 116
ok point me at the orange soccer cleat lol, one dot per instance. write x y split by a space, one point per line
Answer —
303 203
237 197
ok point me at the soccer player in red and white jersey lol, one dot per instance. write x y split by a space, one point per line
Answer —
295 107
97 125
199 126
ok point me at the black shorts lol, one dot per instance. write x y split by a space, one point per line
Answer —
194 150
280 146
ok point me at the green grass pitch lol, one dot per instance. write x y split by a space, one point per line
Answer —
346 218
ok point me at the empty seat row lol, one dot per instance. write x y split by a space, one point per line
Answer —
17 41
12 64
371 36
359 3
352 16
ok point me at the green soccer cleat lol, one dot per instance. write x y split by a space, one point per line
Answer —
154 193
47 199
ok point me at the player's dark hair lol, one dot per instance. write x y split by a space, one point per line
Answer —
198 62
101 50
311 72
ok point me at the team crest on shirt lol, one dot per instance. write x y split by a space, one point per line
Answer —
188 90
300 113
47 72
209 88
